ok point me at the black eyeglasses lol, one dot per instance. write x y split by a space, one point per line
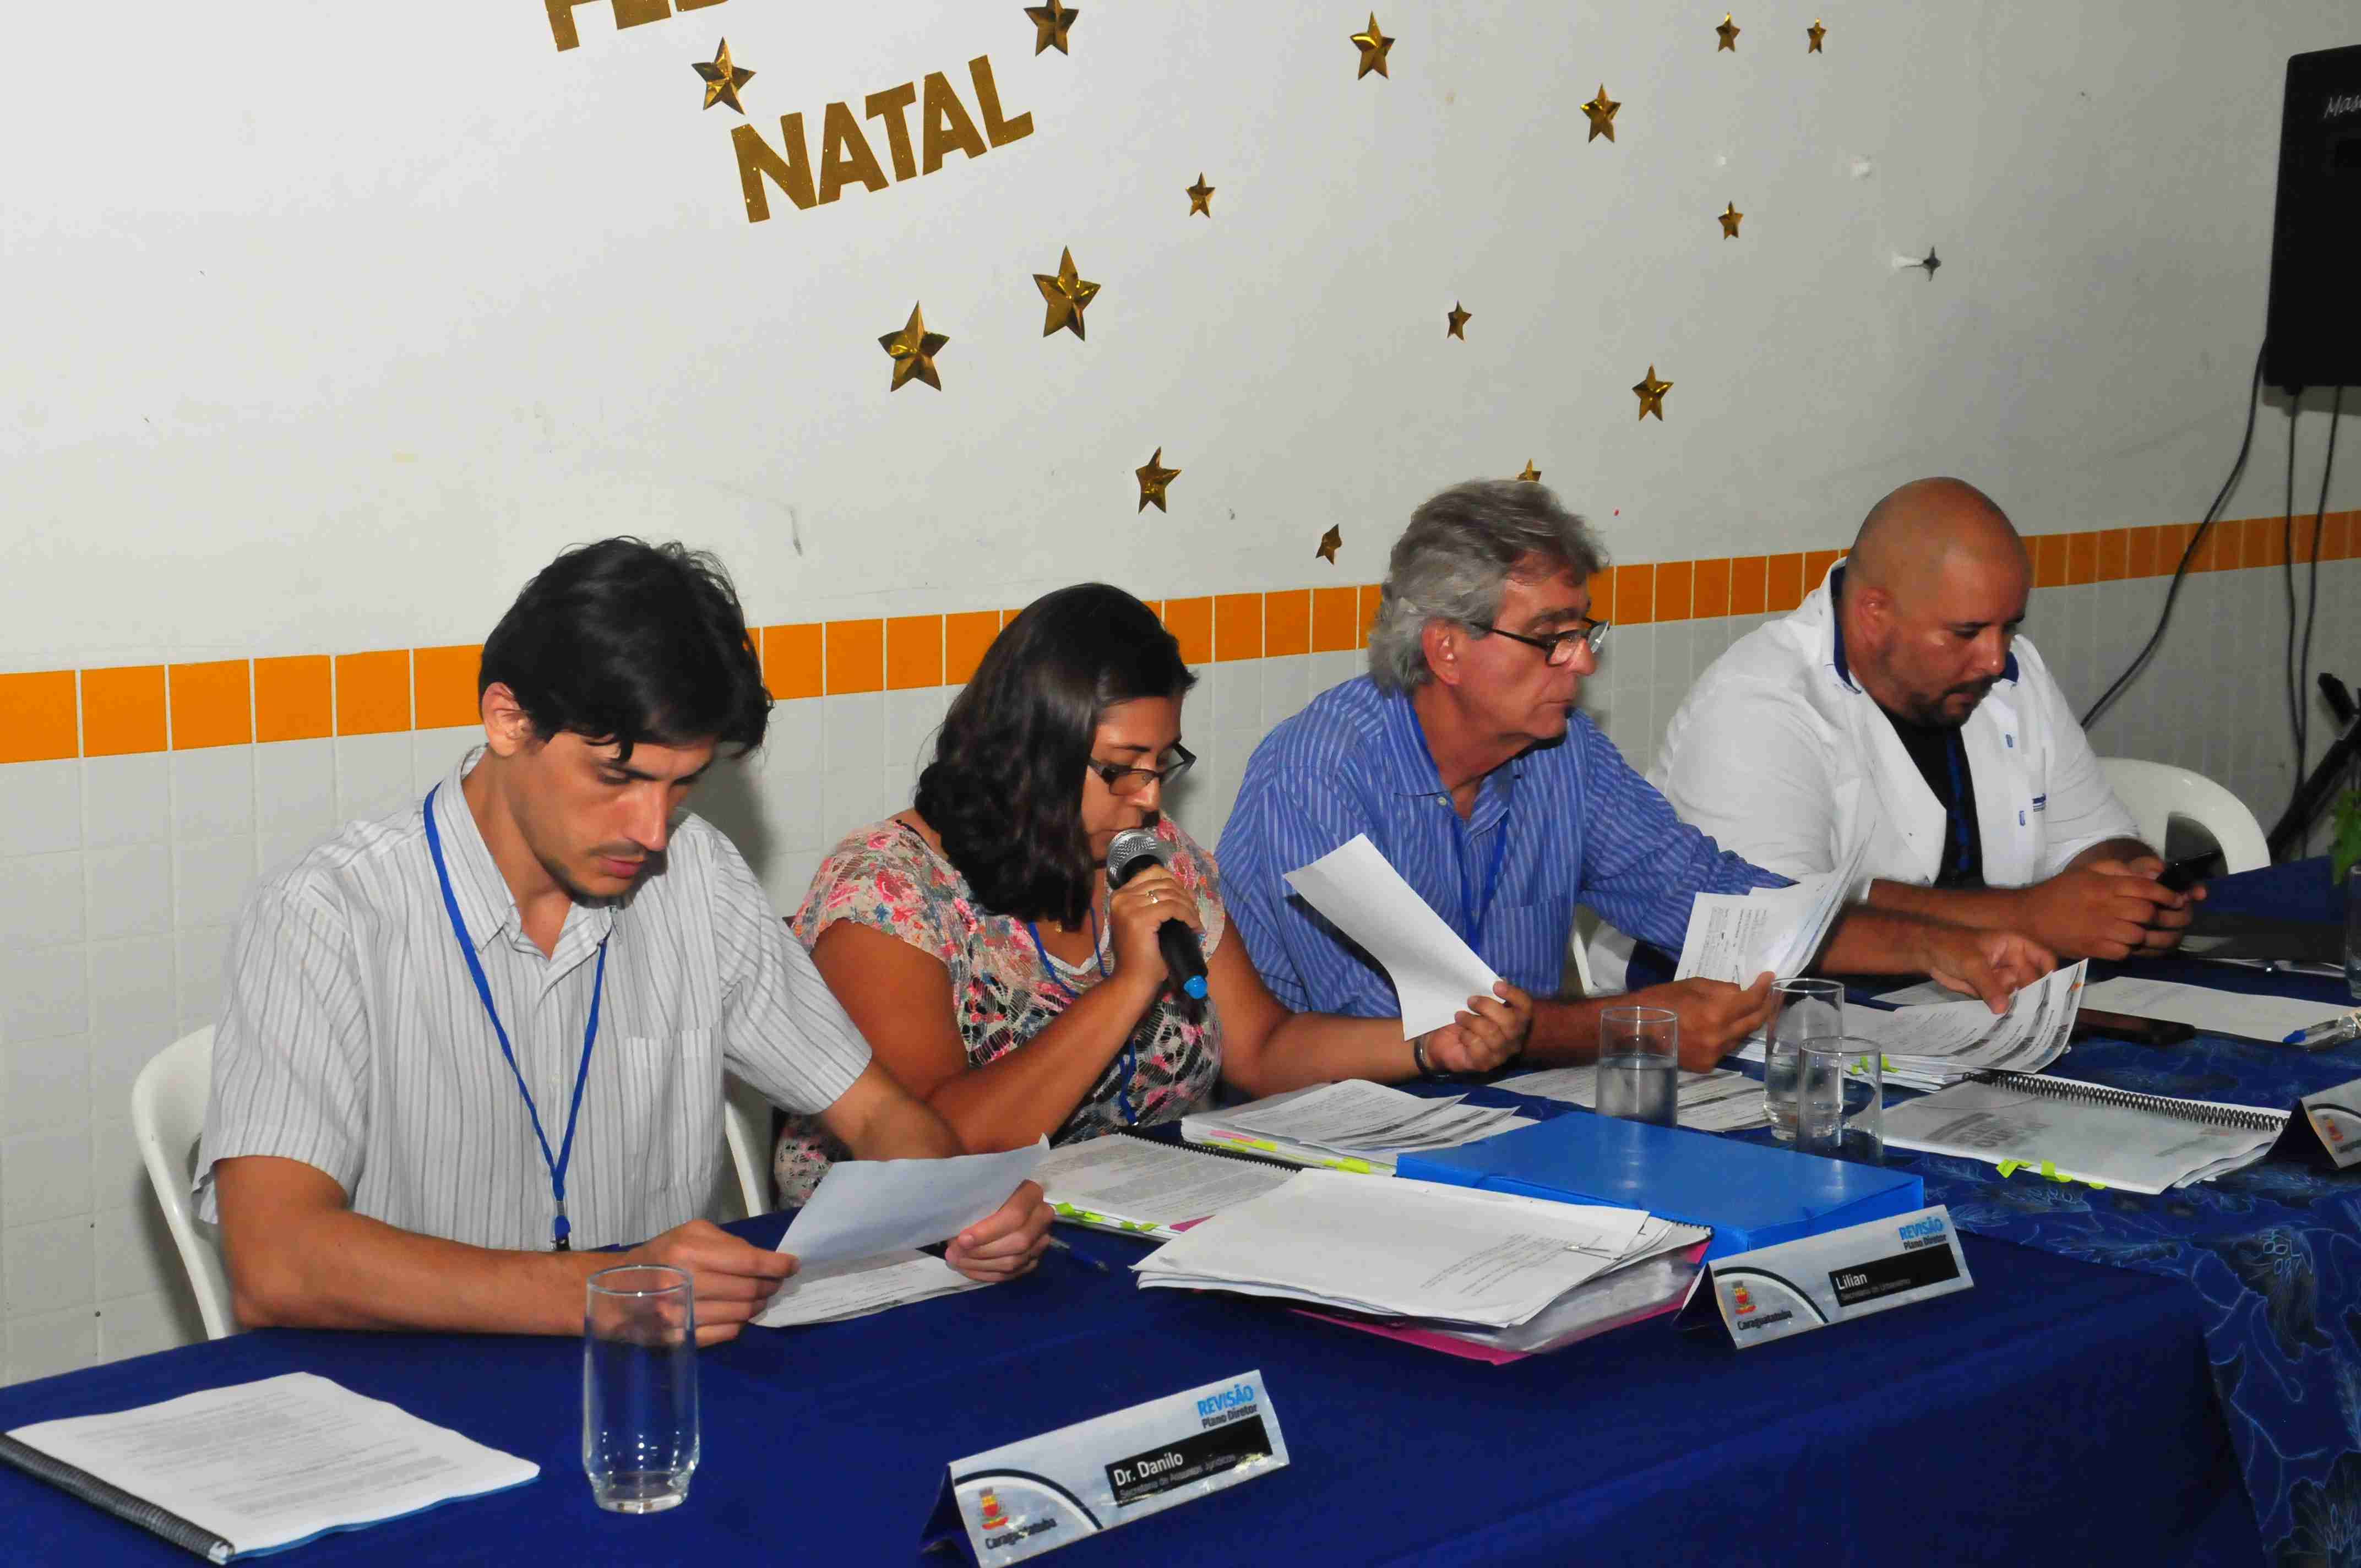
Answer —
1560 648
1132 781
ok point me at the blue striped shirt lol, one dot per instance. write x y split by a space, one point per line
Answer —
1579 826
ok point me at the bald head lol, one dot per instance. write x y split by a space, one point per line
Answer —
1908 541
1933 590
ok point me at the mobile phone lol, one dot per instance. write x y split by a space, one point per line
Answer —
2092 1023
2180 876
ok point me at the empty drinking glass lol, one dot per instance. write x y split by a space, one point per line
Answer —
1803 1010
1840 1101
639 1387
1639 1064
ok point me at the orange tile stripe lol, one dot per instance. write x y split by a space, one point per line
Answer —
153 708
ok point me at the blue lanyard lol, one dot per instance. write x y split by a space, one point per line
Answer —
561 1229
1473 914
1130 1057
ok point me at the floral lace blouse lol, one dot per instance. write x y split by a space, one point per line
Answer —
888 877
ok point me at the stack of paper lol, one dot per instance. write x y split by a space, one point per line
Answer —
1136 1185
1457 1258
261 1466
1716 1102
1939 1043
1778 930
1355 1125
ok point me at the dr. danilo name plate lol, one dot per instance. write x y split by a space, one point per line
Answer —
1774 1292
1033 1497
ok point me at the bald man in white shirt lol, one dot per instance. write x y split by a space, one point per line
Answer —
1899 707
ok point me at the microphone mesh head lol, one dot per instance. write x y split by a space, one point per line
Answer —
1128 850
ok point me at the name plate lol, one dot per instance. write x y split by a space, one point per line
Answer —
1774 1292
2335 1118
1033 1497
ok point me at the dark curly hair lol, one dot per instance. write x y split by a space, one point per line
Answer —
631 642
1005 789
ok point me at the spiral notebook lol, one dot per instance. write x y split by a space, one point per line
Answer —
2085 1132
1146 1187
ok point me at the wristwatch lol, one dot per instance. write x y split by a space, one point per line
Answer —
1425 1069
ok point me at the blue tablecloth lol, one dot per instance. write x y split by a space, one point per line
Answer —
2273 1252
2058 1413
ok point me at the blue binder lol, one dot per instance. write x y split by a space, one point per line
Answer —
1752 1196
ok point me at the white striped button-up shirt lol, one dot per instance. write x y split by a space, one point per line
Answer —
353 1039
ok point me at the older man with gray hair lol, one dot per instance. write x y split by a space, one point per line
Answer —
1462 756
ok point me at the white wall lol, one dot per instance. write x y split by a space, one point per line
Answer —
332 325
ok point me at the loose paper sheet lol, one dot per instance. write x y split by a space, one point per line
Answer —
2270 1019
863 1207
1434 972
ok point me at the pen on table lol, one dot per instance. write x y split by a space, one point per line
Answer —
2325 1033
1083 1259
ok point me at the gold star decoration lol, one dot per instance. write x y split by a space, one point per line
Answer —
1816 33
1457 320
1729 31
1330 542
914 350
1201 197
723 79
1730 218
1154 480
1601 111
1067 294
1531 474
1651 396
1374 45
1049 24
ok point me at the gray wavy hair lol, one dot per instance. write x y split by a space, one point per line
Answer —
1455 561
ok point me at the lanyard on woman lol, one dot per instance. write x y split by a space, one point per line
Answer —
561 1229
1130 1052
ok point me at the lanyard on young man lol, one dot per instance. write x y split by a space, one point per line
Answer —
561 1229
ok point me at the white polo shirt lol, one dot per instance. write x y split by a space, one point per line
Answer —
353 1038
1779 754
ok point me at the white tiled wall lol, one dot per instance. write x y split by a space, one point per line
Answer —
119 876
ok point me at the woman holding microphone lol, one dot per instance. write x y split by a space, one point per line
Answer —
979 946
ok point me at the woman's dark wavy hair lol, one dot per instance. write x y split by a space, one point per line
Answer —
1005 790
632 643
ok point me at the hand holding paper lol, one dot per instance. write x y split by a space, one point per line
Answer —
1434 972
864 1207
1779 929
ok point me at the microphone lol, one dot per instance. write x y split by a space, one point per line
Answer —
1184 961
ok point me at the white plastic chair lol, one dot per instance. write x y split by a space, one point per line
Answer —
746 1128
2155 792
167 1116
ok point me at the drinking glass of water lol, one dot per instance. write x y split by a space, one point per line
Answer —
1803 1011
1840 1101
1639 1064
639 1387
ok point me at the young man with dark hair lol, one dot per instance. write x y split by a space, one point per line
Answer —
468 1043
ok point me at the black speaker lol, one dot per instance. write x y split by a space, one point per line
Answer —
2314 338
